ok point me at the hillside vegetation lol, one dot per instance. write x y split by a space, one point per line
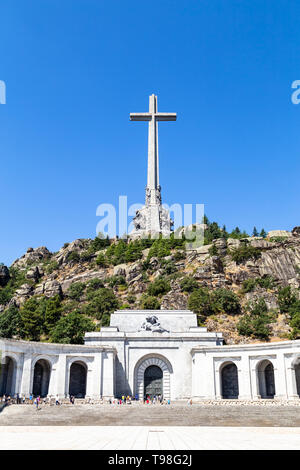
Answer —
246 287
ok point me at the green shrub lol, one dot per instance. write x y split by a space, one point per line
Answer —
149 303
102 301
52 310
76 290
10 323
73 257
125 306
213 250
256 322
248 286
32 318
116 253
188 284
51 266
200 302
17 278
101 260
116 281
99 243
71 329
158 287
244 253
179 255
286 298
266 282
133 251
295 323
94 284
131 299
168 267
206 302
224 300
86 255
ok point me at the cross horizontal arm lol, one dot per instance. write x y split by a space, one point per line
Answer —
166 116
140 116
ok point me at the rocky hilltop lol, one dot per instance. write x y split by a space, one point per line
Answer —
246 287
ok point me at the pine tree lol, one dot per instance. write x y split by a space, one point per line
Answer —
32 319
255 232
263 233
52 313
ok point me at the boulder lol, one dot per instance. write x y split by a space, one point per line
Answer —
32 256
83 277
22 294
4 275
133 272
52 288
279 233
296 232
233 243
34 273
77 246
120 270
174 301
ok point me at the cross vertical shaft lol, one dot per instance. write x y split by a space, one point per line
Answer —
153 116
153 217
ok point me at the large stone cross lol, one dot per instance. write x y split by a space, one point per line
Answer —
153 116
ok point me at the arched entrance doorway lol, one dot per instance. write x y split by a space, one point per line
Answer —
8 376
229 381
41 378
157 381
297 376
266 379
77 385
153 381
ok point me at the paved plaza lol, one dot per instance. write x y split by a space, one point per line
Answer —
178 426
147 438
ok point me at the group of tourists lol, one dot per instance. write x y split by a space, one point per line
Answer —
156 399
148 400
124 400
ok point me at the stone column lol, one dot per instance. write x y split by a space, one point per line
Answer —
108 376
218 386
291 383
280 377
254 382
61 377
244 378
19 372
203 387
89 381
95 385
26 376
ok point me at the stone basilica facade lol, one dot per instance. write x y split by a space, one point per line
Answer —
148 352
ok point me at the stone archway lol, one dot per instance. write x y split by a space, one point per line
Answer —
41 378
145 363
297 375
266 379
153 381
229 381
8 376
78 378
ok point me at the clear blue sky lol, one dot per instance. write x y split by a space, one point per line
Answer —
75 69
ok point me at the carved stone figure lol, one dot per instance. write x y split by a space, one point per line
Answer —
152 324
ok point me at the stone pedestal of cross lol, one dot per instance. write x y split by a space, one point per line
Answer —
153 217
